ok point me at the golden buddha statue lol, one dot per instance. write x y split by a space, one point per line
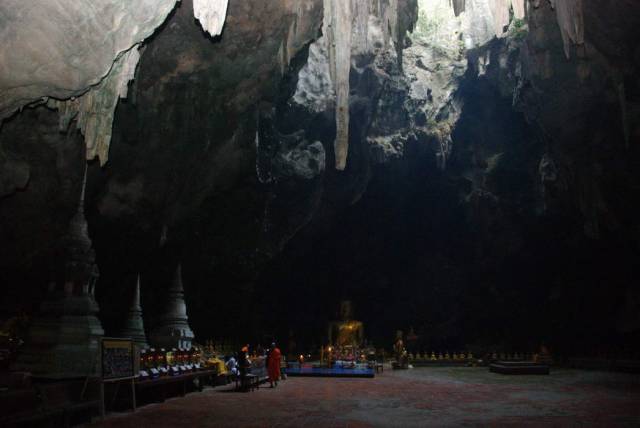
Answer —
347 332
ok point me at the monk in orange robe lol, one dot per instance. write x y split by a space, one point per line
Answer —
273 365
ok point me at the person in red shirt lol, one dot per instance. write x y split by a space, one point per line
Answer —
273 365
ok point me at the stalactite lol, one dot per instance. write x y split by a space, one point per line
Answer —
62 48
83 76
389 17
361 11
346 31
95 109
459 6
571 22
519 8
500 11
211 14
337 28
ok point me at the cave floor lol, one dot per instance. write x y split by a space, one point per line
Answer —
419 397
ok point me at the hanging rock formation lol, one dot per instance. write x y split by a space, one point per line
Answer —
569 14
93 111
349 29
211 14
571 22
337 26
63 49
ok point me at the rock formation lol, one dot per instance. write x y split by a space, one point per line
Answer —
211 14
46 54
337 25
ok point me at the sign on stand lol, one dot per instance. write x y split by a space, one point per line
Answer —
118 358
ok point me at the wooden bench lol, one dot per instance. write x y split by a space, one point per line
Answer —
252 380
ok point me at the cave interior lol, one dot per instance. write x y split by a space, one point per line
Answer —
467 171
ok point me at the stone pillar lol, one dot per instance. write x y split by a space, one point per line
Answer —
173 330
134 327
64 337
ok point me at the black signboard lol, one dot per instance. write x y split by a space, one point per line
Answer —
117 358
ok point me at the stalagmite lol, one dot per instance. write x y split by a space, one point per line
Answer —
337 28
211 14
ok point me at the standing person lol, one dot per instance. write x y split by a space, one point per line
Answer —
273 365
244 366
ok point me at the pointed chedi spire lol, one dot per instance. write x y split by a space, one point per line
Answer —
173 330
134 327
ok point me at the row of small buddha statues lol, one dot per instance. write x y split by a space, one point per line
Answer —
494 356
160 362
440 356
212 348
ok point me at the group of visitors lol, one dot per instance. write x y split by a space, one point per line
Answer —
242 364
